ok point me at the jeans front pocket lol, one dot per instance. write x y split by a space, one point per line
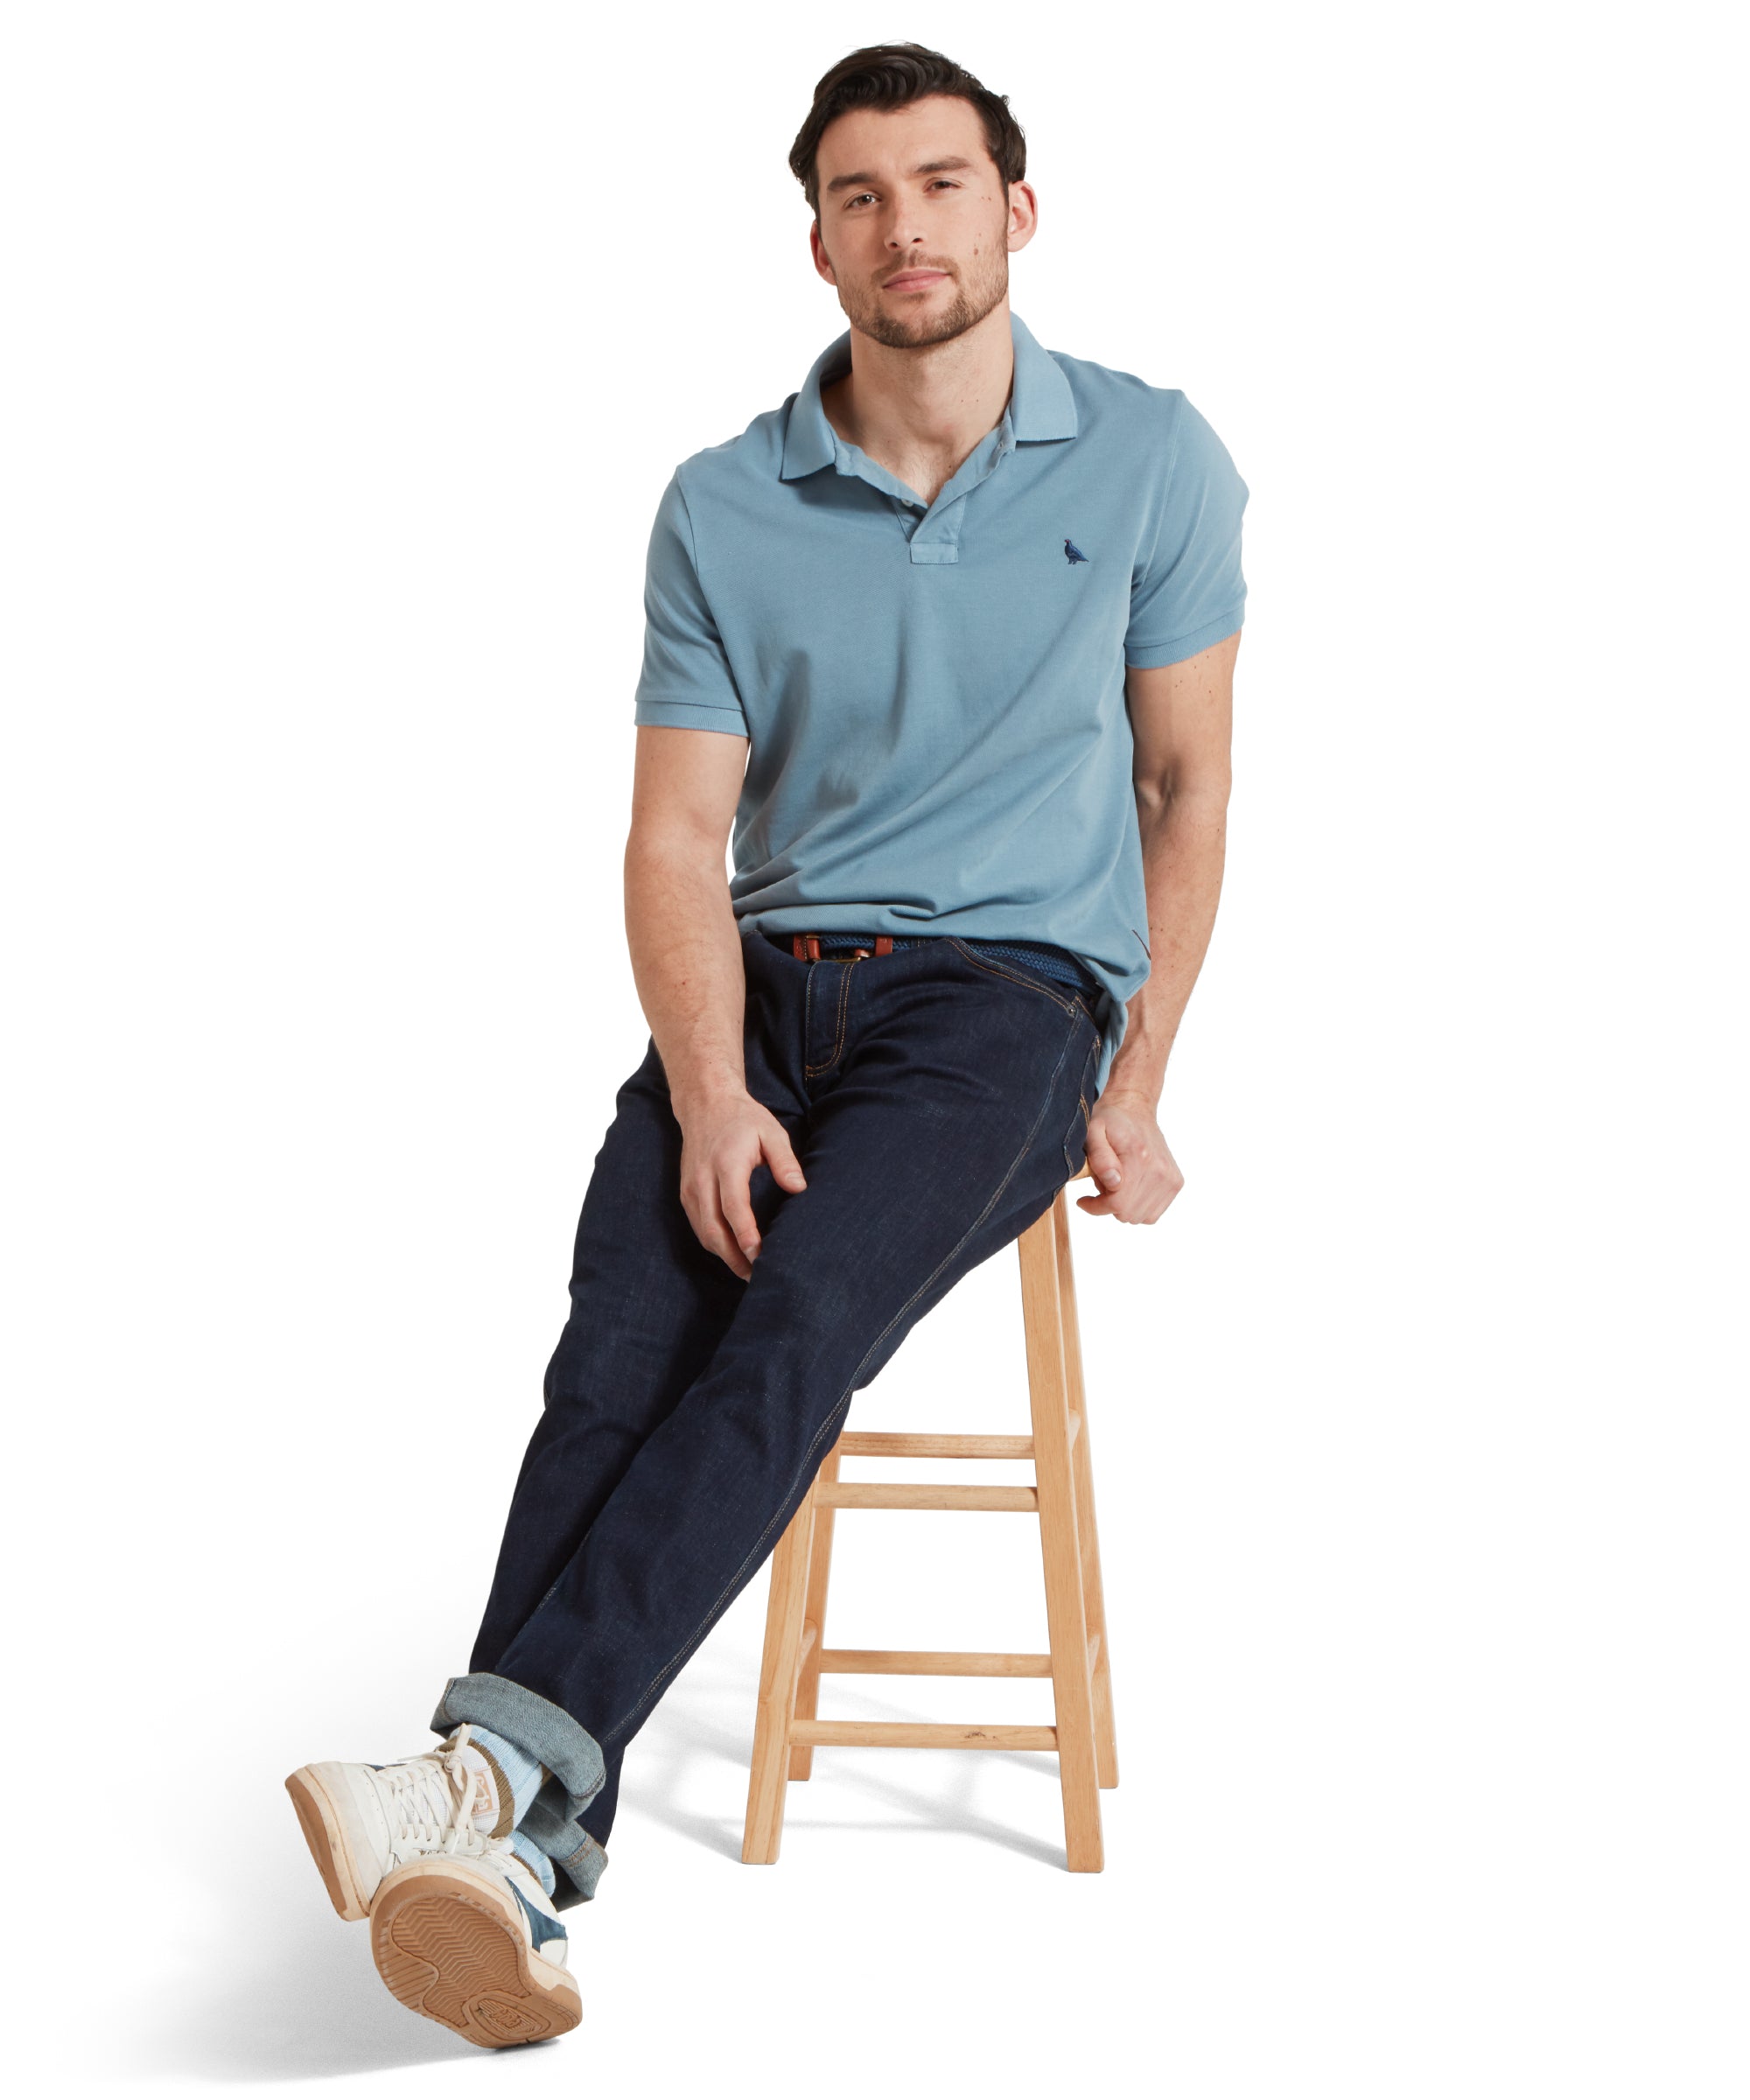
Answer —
992 966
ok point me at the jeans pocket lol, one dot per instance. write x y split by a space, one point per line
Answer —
994 966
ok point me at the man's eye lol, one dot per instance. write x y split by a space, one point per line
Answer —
863 193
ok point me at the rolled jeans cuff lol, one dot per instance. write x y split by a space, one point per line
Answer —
581 1868
571 1754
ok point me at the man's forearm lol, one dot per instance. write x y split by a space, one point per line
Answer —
1184 840
686 962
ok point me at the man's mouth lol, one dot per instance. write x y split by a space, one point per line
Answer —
913 280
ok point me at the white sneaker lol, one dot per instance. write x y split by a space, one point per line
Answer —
362 1822
477 1945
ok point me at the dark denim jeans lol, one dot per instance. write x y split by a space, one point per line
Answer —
937 1098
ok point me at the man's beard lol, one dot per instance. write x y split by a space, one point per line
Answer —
872 313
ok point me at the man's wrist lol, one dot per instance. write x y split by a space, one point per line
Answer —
1135 1086
702 1093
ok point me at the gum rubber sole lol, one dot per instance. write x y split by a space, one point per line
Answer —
327 1848
446 1944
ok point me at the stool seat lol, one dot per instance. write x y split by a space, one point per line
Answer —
788 1727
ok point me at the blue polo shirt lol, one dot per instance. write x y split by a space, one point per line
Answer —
934 693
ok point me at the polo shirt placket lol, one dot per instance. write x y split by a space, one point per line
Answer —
932 532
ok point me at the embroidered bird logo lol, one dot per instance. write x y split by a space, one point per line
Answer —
1072 553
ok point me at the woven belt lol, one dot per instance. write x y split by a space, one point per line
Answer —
1057 963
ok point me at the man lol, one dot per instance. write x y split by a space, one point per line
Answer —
951 637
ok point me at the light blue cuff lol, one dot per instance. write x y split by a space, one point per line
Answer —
1151 655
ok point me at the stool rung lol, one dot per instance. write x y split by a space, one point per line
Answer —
922 1735
931 1663
922 1494
903 1443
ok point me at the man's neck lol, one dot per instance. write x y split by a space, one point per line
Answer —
922 412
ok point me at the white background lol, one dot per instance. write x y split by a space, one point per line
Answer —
349 349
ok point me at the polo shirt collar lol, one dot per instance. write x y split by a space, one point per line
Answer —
1041 405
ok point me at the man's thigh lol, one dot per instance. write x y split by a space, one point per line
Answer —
942 1094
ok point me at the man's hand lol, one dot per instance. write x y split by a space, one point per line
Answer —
722 1141
1127 1155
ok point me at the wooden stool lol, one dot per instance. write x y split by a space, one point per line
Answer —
787 1728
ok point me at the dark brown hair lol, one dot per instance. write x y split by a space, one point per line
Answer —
887 76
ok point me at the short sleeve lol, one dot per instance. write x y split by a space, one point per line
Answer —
686 681
1188 591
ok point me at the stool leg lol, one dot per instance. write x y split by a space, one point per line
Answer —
769 1766
1093 1589
1066 1608
820 1570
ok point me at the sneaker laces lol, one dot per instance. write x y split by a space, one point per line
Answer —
431 1799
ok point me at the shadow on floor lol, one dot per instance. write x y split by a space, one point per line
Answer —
712 1719
280 1988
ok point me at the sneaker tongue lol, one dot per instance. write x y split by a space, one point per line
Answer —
483 1810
